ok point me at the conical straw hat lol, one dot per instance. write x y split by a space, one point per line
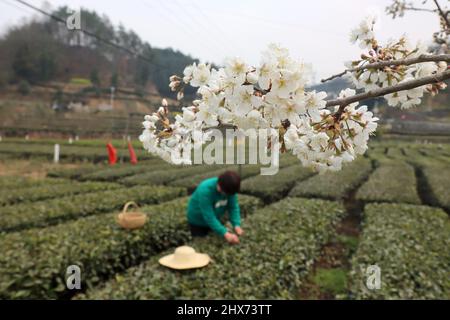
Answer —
185 258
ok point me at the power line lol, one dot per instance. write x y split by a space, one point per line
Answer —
17 7
212 22
170 15
91 34
279 23
201 25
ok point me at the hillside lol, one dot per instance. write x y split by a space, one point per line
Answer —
45 50
59 81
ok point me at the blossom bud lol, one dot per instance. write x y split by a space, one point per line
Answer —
153 118
174 85
252 77
442 66
188 115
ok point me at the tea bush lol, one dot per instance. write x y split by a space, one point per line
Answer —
438 179
115 173
74 173
334 185
14 182
184 173
33 262
411 246
273 188
395 153
52 191
190 183
68 152
391 183
271 262
165 176
44 213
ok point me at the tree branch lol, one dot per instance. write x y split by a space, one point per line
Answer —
420 9
442 13
335 76
408 85
404 62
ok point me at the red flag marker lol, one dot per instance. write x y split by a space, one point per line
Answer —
133 158
112 154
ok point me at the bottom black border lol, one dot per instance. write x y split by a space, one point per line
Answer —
227 309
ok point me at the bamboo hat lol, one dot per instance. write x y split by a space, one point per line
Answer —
184 258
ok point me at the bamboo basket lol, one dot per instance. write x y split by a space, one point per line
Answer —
131 219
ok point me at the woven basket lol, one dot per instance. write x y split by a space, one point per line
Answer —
131 219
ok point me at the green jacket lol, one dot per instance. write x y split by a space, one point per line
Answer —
207 206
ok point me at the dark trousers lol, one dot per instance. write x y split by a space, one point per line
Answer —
198 231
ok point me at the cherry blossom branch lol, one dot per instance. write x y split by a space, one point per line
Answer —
420 9
404 62
407 85
443 14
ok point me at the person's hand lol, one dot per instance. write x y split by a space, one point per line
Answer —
231 238
239 231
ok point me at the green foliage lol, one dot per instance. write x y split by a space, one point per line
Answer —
14 182
22 64
44 213
349 242
273 188
114 80
167 63
438 180
333 281
46 66
50 190
74 173
24 88
410 245
81 81
97 244
190 183
58 96
395 153
165 176
37 50
143 70
115 173
68 152
334 185
31 52
271 262
190 176
391 183
94 78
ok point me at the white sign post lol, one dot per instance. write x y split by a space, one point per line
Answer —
56 154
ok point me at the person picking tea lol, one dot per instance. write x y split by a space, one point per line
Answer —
208 204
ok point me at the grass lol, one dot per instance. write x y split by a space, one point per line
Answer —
333 281
349 242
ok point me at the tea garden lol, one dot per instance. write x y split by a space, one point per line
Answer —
395 202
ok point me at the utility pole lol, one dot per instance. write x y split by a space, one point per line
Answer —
111 101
